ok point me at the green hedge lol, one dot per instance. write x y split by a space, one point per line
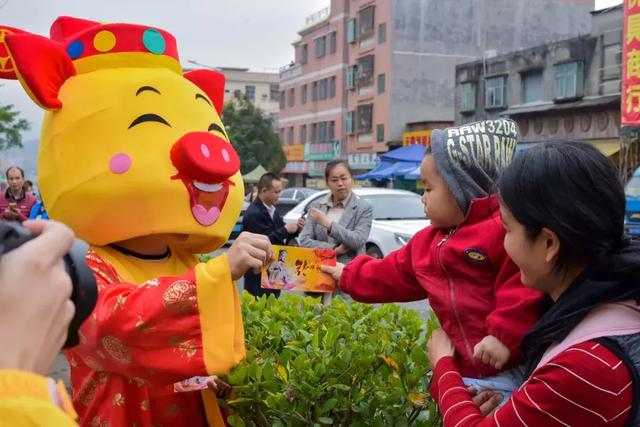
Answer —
344 364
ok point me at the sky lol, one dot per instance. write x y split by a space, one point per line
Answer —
255 34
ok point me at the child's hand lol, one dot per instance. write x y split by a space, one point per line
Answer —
336 271
492 352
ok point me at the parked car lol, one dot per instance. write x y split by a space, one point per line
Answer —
397 216
290 197
632 214
237 228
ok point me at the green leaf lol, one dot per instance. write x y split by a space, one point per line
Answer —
328 405
325 421
238 376
235 421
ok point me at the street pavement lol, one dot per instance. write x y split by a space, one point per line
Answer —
60 369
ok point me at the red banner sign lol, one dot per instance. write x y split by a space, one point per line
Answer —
630 108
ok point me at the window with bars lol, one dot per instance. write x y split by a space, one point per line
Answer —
250 92
380 133
495 92
365 71
468 96
333 44
352 71
365 18
352 29
365 117
322 89
320 46
322 131
303 134
532 87
611 62
349 118
290 135
292 97
274 92
381 83
382 33
569 80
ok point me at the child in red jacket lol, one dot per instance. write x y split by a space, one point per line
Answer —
459 262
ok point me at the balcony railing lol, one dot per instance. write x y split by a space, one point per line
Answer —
317 17
290 71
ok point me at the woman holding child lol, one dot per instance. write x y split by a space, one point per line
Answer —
563 211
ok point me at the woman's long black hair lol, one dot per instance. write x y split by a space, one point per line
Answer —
572 189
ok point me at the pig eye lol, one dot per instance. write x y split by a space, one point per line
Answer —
150 117
214 127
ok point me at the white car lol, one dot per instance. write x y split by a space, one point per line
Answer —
397 216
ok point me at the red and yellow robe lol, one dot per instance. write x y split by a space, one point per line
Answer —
155 323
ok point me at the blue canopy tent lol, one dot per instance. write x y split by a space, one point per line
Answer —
375 171
413 174
387 170
396 163
409 153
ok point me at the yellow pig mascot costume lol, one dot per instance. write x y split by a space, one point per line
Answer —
135 159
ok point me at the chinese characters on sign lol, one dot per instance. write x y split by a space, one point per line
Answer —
418 137
631 64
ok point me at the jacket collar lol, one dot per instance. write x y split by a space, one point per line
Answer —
350 201
9 195
482 208
263 208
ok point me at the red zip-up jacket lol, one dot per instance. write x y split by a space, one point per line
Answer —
473 286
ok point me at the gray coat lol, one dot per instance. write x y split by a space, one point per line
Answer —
352 230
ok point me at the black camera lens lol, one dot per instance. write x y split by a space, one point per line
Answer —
85 288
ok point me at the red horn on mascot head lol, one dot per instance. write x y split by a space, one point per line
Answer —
41 65
212 83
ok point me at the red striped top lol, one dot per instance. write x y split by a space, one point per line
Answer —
586 385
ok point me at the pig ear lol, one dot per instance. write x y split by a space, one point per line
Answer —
41 65
212 83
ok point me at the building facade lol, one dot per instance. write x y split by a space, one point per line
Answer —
260 88
569 89
368 71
